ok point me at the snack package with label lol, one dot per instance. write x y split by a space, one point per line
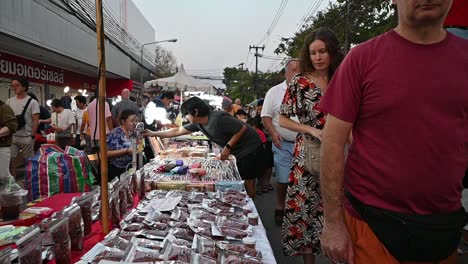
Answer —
30 246
240 249
233 233
178 224
122 198
116 242
114 209
172 240
155 216
179 214
231 223
175 252
184 233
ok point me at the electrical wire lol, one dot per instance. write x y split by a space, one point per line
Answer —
274 23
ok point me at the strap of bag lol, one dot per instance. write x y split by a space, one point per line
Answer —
26 107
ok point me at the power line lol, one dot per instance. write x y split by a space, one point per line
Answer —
275 21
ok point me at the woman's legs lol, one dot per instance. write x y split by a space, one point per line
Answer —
250 187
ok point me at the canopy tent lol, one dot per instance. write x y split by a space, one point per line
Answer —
183 82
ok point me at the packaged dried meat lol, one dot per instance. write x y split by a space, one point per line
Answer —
175 252
101 252
203 215
242 249
139 254
178 224
175 193
200 186
59 233
142 190
179 215
235 200
30 246
155 216
184 233
133 227
147 243
75 227
197 223
155 225
5 256
196 197
232 233
156 194
108 255
231 223
172 240
205 246
116 242
134 217
114 209
197 258
229 185
122 198
85 203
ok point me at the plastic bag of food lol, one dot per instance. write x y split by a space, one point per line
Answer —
139 254
175 252
240 249
122 198
184 233
75 227
205 246
59 233
85 203
172 240
197 258
233 233
203 215
155 216
231 223
229 185
114 208
30 246
5 256
11 203
115 242
147 243
179 214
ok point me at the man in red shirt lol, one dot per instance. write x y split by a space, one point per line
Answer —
404 96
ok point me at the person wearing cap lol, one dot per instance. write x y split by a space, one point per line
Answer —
229 107
234 136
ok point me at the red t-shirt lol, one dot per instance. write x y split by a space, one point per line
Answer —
408 104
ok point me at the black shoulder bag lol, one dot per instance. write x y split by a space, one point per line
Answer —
414 237
20 118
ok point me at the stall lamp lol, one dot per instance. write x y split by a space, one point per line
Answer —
80 91
66 89
49 102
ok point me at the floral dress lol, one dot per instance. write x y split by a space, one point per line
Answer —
303 218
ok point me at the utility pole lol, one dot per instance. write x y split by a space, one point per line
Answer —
256 64
101 100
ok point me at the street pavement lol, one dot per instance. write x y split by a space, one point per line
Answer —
265 204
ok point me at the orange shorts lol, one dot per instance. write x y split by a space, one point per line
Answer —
369 250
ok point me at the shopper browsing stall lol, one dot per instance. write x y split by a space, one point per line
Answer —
235 137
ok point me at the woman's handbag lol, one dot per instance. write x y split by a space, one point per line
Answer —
311 150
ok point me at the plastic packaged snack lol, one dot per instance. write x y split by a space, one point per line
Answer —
10 202
231 223
232 233
242 249
184 233
203 215
75 227
30 246
122 198
178 224
197 258
175 252
139 254
59 233
5 256
205 246
115 242
155 216
114 208
171 239
229 185
179 214
85 203
147 243
133 227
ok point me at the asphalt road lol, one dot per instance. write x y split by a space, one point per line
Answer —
265 204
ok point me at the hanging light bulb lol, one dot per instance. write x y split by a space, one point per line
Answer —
66 89
80 91
49 102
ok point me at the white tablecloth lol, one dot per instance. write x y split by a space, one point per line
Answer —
262 243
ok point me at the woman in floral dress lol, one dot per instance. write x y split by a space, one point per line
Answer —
303 216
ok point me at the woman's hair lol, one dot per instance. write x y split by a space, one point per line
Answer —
254 122
126 114
241 112
193 106
333 48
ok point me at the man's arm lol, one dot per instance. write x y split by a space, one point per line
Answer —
35 124
335 136
276 137
232 142
173 132
109 123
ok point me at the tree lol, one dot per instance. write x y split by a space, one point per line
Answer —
366 19
240 83
166 63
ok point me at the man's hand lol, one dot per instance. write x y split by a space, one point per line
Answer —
276 137
225 153
170 125
336 243
147 133
57 129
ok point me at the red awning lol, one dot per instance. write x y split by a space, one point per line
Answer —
458 14
115 86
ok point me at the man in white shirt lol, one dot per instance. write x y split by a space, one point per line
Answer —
283 139
80 109
23 138
62 122
94 120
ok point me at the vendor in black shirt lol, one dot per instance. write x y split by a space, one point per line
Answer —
235 137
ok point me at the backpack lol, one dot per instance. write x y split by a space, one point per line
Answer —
20 118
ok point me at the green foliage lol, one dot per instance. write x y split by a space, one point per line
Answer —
243 84
367 19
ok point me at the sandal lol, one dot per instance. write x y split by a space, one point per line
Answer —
270 187
279 215
265 189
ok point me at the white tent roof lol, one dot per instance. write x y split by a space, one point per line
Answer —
183 82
